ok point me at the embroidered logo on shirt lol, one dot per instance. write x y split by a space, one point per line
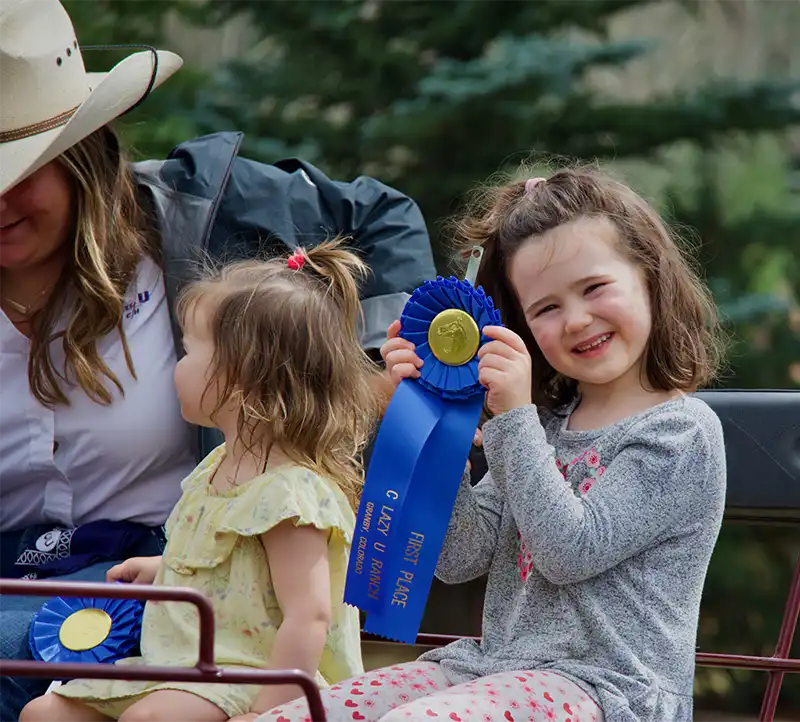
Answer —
131 308
594 469
47 541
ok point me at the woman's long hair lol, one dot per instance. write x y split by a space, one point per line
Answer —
111 232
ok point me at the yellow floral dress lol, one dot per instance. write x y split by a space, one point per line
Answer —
214 546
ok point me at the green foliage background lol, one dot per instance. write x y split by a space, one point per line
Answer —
434 97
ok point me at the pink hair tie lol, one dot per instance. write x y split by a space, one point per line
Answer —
297 260
531 183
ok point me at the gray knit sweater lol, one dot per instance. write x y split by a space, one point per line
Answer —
596 544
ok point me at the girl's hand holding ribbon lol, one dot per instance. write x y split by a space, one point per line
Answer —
505 370
402 362
399 356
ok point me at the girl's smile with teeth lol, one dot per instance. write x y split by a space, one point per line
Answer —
592 344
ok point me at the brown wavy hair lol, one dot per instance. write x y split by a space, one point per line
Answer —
685 347
111 232
287 352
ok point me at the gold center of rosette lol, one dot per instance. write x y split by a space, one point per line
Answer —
454 337
84 629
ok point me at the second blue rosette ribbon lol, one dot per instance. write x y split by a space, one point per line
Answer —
68 629
419 458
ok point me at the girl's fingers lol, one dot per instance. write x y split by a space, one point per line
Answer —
393 344
498 348
477 440
403 355
403 371
507 336
394 329
119 573
396 343
393 341
488 376
495 362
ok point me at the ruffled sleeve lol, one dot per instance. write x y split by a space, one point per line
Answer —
206 531
192 486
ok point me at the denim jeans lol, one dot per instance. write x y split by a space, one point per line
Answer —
16 614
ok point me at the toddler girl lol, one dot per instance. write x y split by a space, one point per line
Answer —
264 525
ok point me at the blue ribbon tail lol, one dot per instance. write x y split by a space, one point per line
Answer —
394 460
418 529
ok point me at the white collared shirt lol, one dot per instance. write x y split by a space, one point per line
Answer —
86 461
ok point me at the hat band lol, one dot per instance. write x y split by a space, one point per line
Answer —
42 126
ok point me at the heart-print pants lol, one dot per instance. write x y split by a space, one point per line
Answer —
419 691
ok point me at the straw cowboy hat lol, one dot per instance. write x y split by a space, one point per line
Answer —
48 102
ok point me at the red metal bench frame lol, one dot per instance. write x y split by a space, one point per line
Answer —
204 671
779 663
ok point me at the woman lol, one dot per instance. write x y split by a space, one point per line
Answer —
92 253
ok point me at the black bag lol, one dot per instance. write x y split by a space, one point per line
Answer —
210 202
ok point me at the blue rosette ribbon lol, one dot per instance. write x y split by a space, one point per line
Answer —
69 629
419 458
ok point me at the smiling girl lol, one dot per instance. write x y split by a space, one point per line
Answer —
606 483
